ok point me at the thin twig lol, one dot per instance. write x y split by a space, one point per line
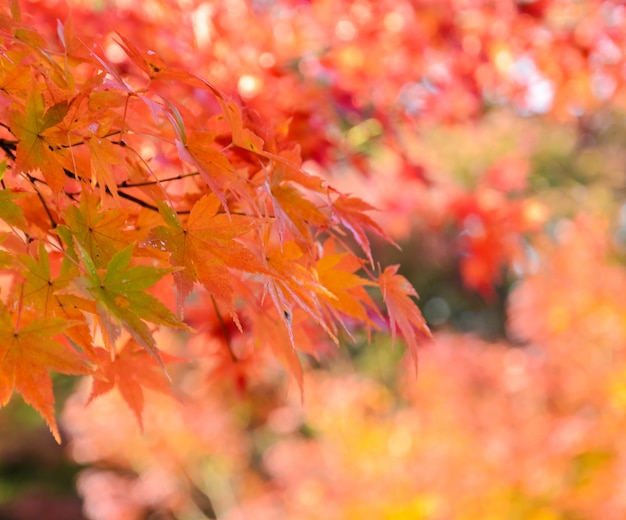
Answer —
125 184
32 180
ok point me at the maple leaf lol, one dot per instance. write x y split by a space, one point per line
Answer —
104 156
6 259
40 285
292 282
150 62
120 298
403 313
336 273
207 248
293 211
101 232
42 292
130 371
269 332
213 166
27 353
242 137
116 82
10 212
14 79
349 211
156 68
29 124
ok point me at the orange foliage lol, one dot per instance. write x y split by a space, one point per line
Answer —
99 144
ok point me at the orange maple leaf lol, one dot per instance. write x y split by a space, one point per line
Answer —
349 211
130 370
269 332
29 124
156 67
206 246
27 353
403 313
293 283
242 137
294 212
101 232
104 156
337 273
213 166
41 292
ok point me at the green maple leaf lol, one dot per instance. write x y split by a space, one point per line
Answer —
121 298
10 212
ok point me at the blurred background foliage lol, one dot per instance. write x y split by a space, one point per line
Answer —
37 480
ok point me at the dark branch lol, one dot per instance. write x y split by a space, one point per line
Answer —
8 147
33 181
122 194
126 184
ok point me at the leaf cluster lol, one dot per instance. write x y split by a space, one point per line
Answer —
129 192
